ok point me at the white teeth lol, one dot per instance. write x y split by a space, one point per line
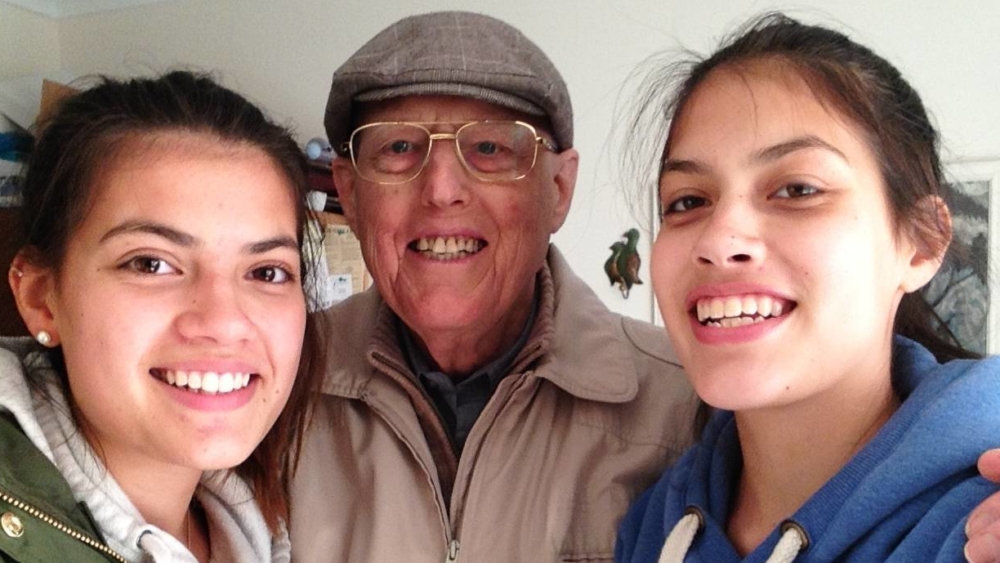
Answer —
210 382
734 306
718 309
735 311
207 382
764 306
704 310
448 248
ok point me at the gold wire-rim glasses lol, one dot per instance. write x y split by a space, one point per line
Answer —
348 147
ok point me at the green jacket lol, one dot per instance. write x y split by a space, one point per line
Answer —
40 521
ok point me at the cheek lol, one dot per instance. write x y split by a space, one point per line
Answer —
283 325
381 220
667 264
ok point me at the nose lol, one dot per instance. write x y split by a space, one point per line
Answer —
213 311
444 179
731 237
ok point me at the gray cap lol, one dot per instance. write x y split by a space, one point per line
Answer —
451 53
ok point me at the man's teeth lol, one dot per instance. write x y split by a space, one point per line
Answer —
737 310
448 248
207 382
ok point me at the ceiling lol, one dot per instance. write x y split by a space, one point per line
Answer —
67 8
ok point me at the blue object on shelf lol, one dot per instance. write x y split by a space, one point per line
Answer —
15 146
318 149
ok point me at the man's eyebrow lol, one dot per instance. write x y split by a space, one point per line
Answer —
775 152
149 227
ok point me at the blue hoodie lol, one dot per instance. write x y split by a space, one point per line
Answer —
903 498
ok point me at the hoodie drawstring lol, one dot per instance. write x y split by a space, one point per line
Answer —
793 539
157 549
680 538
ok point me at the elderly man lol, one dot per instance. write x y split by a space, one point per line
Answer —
481 403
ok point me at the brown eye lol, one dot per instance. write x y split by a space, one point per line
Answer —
149 265
685 203
271 274
796 190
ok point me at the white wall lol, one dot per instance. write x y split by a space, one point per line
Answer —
282 55
29 43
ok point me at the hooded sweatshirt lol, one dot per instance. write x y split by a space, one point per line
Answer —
237 529
904 497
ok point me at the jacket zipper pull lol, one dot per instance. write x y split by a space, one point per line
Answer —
452 552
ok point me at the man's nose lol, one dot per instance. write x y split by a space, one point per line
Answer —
445 181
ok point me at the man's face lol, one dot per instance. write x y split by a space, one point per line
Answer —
453 256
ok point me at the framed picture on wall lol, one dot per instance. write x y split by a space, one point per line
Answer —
966 291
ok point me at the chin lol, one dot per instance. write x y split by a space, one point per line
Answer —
729 389
223 454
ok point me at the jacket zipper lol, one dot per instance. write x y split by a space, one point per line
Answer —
79 536
451 542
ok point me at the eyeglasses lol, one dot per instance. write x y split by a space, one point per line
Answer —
491 151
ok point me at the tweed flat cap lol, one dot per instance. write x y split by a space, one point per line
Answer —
451 53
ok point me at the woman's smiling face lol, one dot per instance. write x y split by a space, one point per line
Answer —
777 268
179 306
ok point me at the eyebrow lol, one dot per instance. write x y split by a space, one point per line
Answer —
775 152
147 227
768 154
184 239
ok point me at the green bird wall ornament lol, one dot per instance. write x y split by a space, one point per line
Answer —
611 266
622 267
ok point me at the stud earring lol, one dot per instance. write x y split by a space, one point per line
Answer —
43 337
17 272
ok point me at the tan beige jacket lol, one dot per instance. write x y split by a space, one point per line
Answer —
593 410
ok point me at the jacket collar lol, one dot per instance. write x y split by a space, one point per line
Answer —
577 343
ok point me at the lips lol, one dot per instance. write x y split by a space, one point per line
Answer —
740 310
447 247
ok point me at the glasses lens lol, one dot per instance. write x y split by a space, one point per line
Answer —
498 150
389 152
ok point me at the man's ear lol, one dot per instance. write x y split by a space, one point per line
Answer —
928 244
33 287
343 180
566 166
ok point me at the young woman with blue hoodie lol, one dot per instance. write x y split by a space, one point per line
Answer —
802 211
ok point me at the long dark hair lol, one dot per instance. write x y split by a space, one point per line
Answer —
858 84
84 134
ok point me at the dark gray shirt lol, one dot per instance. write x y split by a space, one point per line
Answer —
460 404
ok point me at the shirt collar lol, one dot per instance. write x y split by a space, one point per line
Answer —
421 364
